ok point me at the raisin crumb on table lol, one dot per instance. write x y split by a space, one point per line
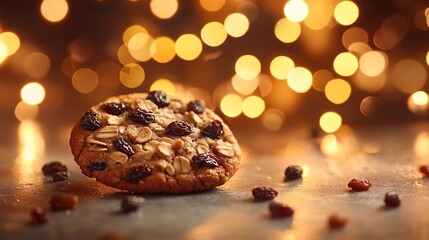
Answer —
359 185
264 193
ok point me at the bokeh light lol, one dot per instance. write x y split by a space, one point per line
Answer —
37 65
231 105
131 31
427 58
33 93
280 67
393 29
273 119
132 75
11 43
319 15
165 85
243 86
236 25
213 34
338 91
418 102
330 122
346 13
164 9
124 56
249 9
353 35
359 48
371 106
162 49
409 75
212 6
139 46
265 85
188 47
54 10
372 63
81 50
3 52
287 31
247 67
253 106
300 79
296 10
369 84
320 79
329 145
25 111
85 80
345 64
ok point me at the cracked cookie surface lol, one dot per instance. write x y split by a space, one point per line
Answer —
154 143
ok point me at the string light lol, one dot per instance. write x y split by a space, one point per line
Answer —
346 13
253 106
345 64
132 75
247 67
162 49
10 43
231 105
330 122
54 10
165 85
280 67
188 47
300 79
236 25
296 10
287 31
85 80
213 34
33 93
164 9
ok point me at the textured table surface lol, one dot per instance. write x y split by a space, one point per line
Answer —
387 156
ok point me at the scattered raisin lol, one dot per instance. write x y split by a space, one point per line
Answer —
179 128
123 146
38 216
131 203
279 210
89 121
63 201
53 167
214 130
392 199
264 193
138 172
335 221
114 108
205 160
60 176
159 98
196 106
293 172
359 184
142 116
97 166
424 170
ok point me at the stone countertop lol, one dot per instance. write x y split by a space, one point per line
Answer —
389 157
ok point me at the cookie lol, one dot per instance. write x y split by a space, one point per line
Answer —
154 143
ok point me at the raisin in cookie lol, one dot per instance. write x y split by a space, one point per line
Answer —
153 143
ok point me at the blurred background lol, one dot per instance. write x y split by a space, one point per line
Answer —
268 66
